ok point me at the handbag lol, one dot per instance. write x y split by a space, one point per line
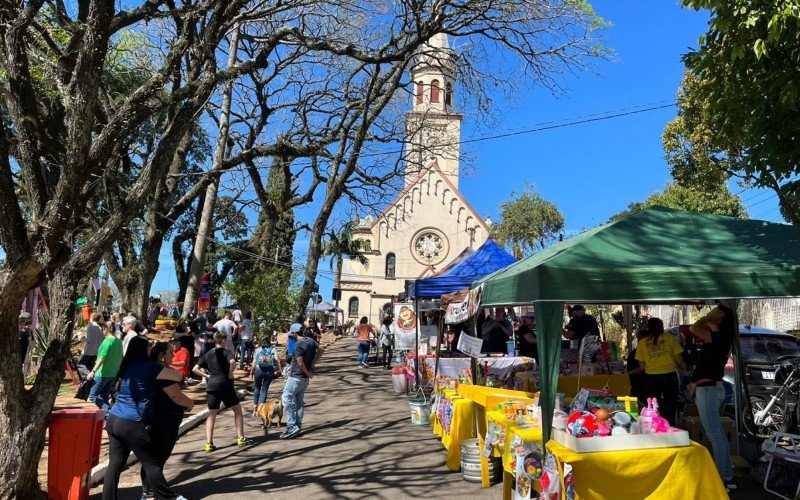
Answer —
83 390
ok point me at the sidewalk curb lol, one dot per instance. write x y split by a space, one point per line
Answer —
99 471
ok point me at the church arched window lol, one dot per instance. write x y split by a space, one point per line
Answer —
352 306
391 263
435 90
420 92
448 94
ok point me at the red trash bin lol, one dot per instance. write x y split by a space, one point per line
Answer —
74 449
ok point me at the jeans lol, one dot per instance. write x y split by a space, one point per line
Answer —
363 351
100 391
293 391
708 400
386 356
125 436
261 385
246 349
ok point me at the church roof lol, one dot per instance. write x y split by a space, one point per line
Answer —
410 186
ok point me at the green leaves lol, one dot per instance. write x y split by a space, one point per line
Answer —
528 222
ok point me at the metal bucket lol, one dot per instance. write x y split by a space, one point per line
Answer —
471 463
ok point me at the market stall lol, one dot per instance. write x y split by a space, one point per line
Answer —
658 255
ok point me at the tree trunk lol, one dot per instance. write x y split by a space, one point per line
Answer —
314 253
207 219
25 413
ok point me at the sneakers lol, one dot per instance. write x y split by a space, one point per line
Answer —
730 484
291 434
243 441
210 447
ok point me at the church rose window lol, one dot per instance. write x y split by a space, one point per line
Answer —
352 307
434 90
391 262
429 247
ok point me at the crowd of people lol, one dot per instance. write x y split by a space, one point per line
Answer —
140 383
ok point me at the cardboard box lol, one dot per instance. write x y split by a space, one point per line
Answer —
627 442
694 427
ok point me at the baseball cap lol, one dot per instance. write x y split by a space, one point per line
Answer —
25 316
529 314
296 328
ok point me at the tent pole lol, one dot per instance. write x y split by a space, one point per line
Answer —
474 361
416 343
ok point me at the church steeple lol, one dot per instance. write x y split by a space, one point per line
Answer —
433 127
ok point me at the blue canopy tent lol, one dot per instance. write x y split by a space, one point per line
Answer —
490 257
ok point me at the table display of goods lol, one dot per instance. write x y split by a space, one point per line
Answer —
604 430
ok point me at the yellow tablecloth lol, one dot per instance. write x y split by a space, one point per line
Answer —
462 427
482 395
686 473
530 435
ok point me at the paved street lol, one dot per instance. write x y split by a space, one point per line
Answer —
358 442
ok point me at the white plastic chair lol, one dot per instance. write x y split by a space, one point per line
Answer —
788 449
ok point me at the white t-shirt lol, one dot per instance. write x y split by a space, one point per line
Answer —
227 327
247 329
237 315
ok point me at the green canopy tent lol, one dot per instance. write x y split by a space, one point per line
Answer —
658 255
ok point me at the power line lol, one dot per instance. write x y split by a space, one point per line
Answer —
537 127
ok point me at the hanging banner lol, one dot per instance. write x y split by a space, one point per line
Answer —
457 312
474 298
469 345
404 327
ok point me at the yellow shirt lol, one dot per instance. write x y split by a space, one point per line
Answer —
659 357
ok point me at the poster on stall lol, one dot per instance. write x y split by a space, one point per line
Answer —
474 298
457 312
404 327
469 345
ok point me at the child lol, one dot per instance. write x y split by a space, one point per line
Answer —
180 359
218 365
265 367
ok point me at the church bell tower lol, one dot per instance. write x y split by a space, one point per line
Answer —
433 128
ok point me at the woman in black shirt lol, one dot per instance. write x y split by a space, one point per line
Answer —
716 330
169 405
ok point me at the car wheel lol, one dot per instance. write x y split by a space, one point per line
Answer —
777 421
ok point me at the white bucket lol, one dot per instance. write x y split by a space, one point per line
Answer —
400 383
420 411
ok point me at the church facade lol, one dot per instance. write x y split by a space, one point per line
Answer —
429 222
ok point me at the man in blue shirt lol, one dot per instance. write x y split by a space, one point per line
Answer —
306 354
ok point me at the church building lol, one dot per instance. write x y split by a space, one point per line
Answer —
429 223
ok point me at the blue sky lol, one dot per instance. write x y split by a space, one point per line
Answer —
590 171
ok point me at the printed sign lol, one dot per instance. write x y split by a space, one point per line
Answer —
474 298
404 327
457 312
469 345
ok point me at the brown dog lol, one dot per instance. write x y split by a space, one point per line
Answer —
268 411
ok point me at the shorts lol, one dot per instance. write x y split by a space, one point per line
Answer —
226 397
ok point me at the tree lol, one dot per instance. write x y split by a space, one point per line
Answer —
744 78
341 244
710 200
270 293
528 223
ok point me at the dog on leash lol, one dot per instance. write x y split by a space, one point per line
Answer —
268 412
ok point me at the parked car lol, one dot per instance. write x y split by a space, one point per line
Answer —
762 349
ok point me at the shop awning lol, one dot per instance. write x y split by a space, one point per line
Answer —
658 254
485 260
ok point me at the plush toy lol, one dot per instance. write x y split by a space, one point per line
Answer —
652 421
582 424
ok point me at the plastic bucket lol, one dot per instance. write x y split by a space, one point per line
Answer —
400 383
510 347
420 411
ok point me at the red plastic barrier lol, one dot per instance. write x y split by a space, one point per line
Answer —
74 449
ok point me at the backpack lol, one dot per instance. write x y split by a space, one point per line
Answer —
266 359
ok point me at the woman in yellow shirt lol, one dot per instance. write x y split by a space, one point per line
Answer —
659 356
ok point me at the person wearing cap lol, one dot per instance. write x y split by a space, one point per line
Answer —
581 325
294 331
526 335
25 334
306 354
